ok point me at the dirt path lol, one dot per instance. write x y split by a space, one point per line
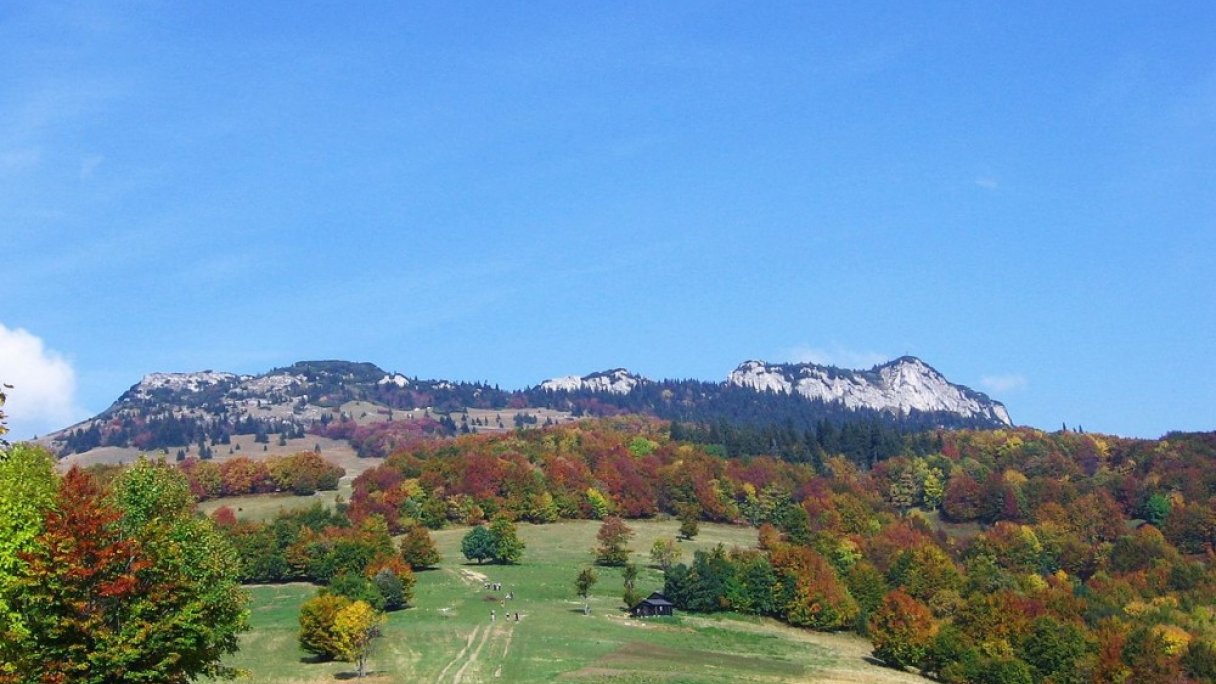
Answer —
505 650
485 637
472 576
460 655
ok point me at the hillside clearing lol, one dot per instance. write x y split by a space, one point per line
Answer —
448 635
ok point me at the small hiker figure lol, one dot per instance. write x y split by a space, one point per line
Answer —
492 616
510 595
517 617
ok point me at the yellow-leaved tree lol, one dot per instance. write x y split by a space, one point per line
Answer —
355 628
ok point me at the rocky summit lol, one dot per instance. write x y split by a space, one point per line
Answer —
903 385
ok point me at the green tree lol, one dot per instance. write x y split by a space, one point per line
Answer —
356 587
599 504
933 489
793 520
27 490
952 656
508 547
903 491
1004 671
1055 650
478 544
582 584
867 585
541 508
203 608
1199 661
689 516
1157 509
750 589
418 549
152 493
629 573
664 553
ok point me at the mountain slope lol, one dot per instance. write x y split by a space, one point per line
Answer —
166 410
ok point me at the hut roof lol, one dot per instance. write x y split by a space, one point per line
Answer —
655 599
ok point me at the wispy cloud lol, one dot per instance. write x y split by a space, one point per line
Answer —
1010 382
987 182
43 394
834 355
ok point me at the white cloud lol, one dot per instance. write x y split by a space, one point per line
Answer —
836 355
43 394
987 182
1003 383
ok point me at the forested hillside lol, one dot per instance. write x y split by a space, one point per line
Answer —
1010 555
1004 555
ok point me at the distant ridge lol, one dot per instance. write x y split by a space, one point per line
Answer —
179 409
900 386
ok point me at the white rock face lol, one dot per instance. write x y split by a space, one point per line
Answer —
179 382
243 385
616 381
1001 413
398 380
903 385
269 383
758 376
567 383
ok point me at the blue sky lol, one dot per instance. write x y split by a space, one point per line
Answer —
1021 194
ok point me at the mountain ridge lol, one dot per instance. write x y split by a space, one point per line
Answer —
169 409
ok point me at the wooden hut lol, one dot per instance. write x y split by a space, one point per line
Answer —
655 604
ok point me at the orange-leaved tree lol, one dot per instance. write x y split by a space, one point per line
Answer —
901 630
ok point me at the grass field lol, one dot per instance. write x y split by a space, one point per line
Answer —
264 507
448 636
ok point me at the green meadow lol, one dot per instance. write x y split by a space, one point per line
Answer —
447 635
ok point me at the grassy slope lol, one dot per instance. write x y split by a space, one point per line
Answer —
448 636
